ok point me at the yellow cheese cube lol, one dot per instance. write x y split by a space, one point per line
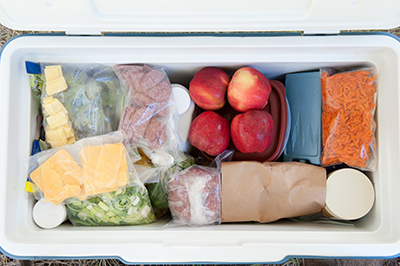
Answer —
56 137
57 120
48 100
68 131
52 73
56 86
71 140
53 107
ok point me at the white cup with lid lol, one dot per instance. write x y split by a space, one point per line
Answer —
185 108
48 215
350 195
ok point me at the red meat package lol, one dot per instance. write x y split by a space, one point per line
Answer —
147 117
194 196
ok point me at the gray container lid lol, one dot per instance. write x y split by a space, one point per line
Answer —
303 91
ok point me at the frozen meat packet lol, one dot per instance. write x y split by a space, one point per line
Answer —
194 194
149 113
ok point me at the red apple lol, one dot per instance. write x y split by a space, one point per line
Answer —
252 131
208 88
209 132
248 90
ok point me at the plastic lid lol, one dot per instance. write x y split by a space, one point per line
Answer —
207 15
350 194
303 91
47 215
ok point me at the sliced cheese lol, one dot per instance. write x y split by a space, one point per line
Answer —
89 157
57 120
104 167
36 177
53 107
56 86
59 178
107 171
123 174
53 72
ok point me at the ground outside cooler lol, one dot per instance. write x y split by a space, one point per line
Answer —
183 38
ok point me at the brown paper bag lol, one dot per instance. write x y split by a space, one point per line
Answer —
266 192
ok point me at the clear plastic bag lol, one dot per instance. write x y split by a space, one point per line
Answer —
194 194
85 169
348 125
149 114
81 99
158 190
126 206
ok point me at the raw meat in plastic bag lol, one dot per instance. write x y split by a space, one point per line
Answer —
147 117
194 196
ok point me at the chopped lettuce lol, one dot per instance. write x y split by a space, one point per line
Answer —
36 84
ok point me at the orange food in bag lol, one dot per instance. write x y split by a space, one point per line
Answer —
348 126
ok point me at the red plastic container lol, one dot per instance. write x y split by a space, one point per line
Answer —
277 108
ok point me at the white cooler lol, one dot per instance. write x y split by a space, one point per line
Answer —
182 52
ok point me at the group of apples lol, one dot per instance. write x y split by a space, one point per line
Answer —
251 130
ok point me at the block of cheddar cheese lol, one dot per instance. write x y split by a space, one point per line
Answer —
53 106
57 120
55 81
56 137
53 72
56 86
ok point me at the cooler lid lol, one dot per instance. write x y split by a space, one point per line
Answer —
319 16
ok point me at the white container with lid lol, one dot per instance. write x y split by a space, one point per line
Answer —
182 55
47 215
185 108
350 194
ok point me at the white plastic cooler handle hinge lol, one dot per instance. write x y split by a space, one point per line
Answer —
316 32
83 33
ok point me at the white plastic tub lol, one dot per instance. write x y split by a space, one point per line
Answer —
376 235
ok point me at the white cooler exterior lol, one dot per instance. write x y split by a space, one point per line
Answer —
376 235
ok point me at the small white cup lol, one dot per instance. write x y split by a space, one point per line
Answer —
47 215
185 107
350 195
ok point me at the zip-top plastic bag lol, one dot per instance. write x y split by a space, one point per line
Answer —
194 194
348 125
125 206
158 189
79 101
149 114
85 169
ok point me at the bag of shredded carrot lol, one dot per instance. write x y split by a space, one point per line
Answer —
348 124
